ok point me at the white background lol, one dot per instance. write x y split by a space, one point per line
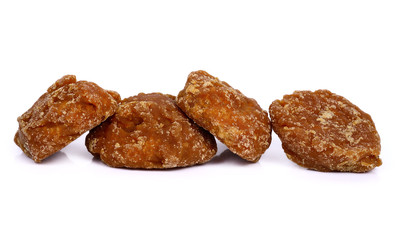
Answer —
264 48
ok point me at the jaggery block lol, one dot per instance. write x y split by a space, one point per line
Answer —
236 120
323 131
150 131
67 110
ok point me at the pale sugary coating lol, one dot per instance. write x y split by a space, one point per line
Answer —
236 120
323 131
150 131
67 110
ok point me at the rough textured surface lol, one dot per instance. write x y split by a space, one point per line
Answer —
150 131
237 121
325 132
62 114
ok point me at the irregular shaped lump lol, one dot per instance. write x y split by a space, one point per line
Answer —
67 110
236 120
150 131
323 131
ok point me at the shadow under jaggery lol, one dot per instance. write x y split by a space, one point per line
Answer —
228 157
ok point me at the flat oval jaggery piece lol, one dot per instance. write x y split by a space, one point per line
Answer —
323 131
236 120
150 131
67 110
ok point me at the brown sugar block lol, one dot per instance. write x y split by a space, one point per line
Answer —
67 110
150 131
236 120
323 131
